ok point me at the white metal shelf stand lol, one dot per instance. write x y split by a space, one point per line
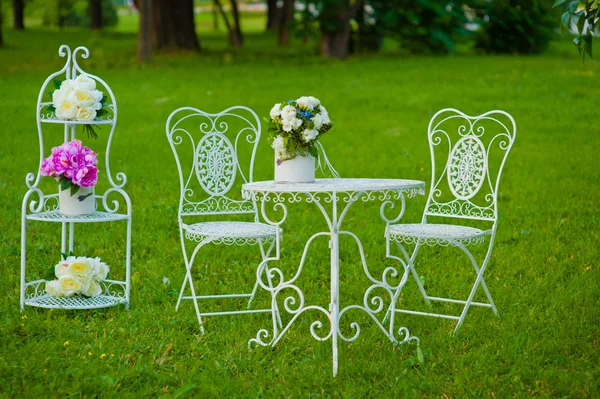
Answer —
41 207
338 195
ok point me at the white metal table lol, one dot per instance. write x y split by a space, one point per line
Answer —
333 197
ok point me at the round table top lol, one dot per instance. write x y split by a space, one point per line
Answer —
334 186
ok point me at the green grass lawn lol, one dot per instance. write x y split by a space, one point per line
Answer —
544 274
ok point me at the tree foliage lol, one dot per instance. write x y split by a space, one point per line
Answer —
584 16
422 26
515 26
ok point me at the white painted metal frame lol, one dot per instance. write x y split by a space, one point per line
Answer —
338 195
215 168
45 207
463 177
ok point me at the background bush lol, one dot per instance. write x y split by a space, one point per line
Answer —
516 26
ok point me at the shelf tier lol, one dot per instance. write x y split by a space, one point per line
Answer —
113 294
97 122
75 302
96 217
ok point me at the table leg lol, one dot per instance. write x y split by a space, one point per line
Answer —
334 305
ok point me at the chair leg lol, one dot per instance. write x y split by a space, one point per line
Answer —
188 280
413 271
478 281
410 260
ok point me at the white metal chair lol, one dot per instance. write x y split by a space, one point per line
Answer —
464 185
208 152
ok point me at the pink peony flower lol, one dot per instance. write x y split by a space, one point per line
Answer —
73 161
86 176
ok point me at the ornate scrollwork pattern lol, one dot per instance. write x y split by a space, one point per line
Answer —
467 168
216 164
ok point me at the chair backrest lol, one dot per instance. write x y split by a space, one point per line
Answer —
215 156
467 156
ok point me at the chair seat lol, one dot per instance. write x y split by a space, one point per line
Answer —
436 234
230 232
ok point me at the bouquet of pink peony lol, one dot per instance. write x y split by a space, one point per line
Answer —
73 165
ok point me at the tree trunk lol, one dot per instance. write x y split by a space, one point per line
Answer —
173 25
273 15
287 17
335 28
144 41
215 15
235 36
95 14
1 19
18 6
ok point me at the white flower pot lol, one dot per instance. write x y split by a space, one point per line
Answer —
297 170
82 203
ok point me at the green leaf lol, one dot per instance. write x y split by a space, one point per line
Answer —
580 23
558 2
312 150
420 356
565 19
57 83
74 189
587 44
64 183
104 98
50 274
51 108
573 6
101 112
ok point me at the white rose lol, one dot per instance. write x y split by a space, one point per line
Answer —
318 121
62 269
97 106
281 154
84 98
84 82
275 111
304 102
82 268
286 125
278 143
53 288
313 101
68 285
97 94
92 288
296 123
288 113
325 115
67 86
309 134
86 114
57 97
67 109
101 269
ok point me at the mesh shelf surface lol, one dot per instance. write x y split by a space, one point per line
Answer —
56 216
75 302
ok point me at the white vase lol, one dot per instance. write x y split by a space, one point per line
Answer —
82 203
297 170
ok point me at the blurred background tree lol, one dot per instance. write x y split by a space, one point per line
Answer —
339 27
423 26
515 26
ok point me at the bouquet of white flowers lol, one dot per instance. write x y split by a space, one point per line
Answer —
78 276
78 100
296 127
